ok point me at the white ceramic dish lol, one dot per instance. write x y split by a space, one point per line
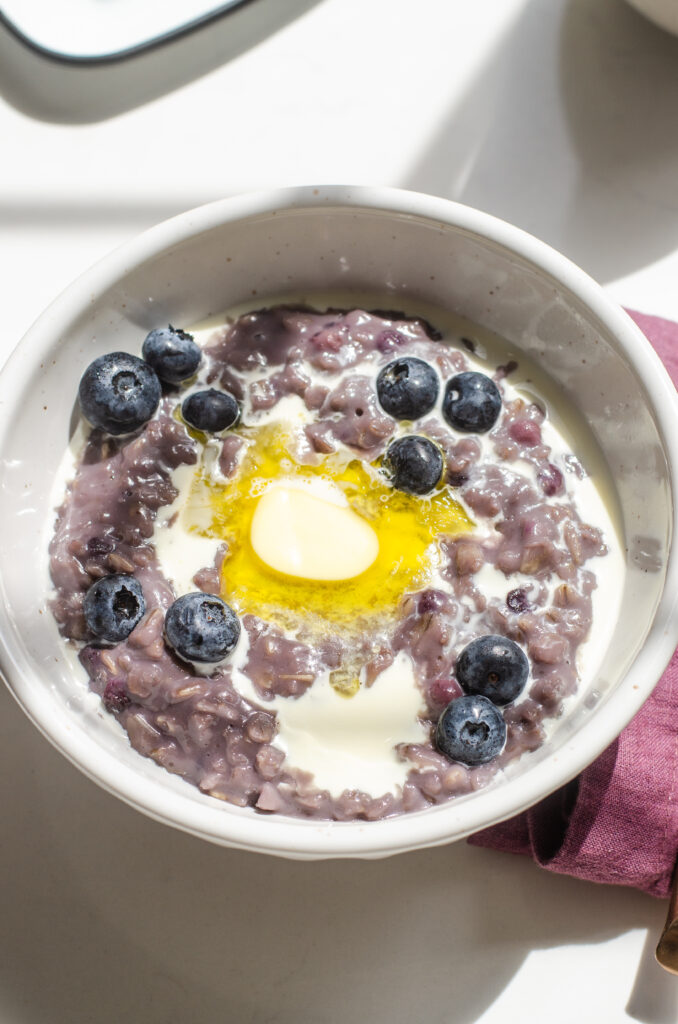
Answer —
406 246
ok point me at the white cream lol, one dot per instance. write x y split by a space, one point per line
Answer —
69 465
291 528
180 550
349 743
290 409
493 583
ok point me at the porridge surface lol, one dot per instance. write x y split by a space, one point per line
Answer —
328 704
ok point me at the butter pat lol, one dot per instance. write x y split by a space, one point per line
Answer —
300 534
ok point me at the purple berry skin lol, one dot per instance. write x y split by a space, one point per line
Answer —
471 402
211 411
97 546
201 628
390 341
471 730
493 667
115 696
551 480
172 353
407 388
118 393
414 464
517 600
431 601
113 606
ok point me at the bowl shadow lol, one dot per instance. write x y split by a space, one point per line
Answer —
569 131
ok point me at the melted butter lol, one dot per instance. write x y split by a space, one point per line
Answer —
289 533
406 526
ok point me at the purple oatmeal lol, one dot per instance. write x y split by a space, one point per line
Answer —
362 535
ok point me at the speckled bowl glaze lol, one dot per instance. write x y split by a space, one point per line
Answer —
408 247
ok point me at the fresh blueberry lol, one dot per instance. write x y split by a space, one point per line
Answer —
211 411
471 402
407 388
113 606
172 353
414 464
471 730
119 393
201 628
494 667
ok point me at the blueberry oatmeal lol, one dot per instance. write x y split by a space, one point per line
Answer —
332 564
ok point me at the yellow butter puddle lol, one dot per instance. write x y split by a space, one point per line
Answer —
408 528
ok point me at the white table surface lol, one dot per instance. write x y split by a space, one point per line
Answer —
558 115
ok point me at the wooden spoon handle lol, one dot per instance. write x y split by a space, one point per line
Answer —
667 948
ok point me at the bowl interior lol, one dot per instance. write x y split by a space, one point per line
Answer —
225 255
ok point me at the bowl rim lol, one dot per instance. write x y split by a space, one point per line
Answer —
435 826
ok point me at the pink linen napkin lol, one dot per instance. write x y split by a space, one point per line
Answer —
618 821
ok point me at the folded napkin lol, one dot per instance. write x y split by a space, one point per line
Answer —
618 821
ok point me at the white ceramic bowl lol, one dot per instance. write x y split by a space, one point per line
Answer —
406 246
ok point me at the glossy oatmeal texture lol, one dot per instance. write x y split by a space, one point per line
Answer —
498 547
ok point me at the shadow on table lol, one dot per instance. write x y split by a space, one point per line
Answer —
570 131
108 916
68 93
40 213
